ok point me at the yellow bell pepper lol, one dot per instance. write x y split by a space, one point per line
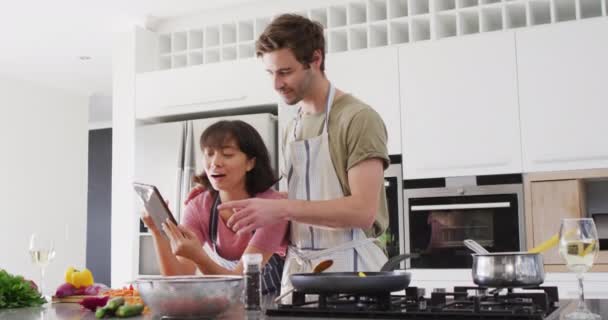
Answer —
78 278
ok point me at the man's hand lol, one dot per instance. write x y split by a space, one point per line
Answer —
254 213
198 189
184 242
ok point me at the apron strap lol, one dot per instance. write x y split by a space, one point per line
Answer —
213 221
328 103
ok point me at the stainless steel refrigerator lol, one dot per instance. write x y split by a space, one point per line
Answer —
167 155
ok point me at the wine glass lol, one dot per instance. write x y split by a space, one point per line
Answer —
42 252
579 245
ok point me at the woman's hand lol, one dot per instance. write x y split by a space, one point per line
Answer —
184 242
149 222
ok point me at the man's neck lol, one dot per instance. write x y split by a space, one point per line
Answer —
315 101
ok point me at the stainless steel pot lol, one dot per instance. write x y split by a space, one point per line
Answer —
508 269
505 269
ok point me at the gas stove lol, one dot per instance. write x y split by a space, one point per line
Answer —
461 303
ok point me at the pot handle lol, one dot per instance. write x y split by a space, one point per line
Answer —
475 246
393 263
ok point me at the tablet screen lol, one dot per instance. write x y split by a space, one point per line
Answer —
153 203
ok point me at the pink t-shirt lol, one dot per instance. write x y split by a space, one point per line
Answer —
197 216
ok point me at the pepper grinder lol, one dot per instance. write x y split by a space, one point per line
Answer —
253 281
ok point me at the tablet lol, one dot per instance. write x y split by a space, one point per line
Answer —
153 203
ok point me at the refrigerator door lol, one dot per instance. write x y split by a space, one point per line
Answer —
158 161
286 114
189 169
264 123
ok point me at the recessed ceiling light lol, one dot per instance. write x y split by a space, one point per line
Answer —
83 58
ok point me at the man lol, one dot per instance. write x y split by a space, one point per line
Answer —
335 153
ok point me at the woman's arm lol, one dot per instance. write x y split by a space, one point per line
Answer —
170 264
184 243
208 266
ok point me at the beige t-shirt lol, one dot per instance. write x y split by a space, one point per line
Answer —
356 133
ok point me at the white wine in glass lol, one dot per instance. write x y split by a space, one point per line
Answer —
42 252
579 245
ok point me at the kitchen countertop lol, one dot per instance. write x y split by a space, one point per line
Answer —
72 311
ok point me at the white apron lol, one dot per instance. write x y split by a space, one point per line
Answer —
223 262
311 176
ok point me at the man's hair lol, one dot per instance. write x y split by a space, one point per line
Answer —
301 35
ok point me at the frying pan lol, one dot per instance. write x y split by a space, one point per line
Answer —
387 279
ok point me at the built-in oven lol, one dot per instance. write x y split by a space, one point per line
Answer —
393 185
441 213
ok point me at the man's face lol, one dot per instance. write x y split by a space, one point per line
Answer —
291 79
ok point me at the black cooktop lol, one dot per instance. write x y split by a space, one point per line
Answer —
461 303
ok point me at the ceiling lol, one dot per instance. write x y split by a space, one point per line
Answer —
41 41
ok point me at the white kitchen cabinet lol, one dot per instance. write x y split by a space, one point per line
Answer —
563 95
459 110
372 76
216 86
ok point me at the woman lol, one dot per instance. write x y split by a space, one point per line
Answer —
237 166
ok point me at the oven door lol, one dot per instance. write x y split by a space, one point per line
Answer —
439 222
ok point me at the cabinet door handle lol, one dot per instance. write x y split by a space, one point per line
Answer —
484 205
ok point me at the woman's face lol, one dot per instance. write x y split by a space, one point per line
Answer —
226 166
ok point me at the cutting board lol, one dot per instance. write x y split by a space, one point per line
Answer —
70 299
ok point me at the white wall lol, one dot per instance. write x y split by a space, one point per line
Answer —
43 176
128 52
100 111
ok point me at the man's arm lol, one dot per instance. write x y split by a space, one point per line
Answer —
355 211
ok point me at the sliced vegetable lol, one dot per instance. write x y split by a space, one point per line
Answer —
92 303
101 312
65 290
110 308
362 275
129 310
95 289
114 303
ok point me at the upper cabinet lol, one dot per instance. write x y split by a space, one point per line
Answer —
459 110
209 87
563 95
371 75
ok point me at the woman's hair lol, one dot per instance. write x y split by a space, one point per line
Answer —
302 35
249 141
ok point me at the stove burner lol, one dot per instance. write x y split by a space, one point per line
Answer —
463 302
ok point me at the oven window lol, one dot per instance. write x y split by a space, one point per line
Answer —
439 225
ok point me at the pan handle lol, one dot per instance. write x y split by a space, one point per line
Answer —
393 263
